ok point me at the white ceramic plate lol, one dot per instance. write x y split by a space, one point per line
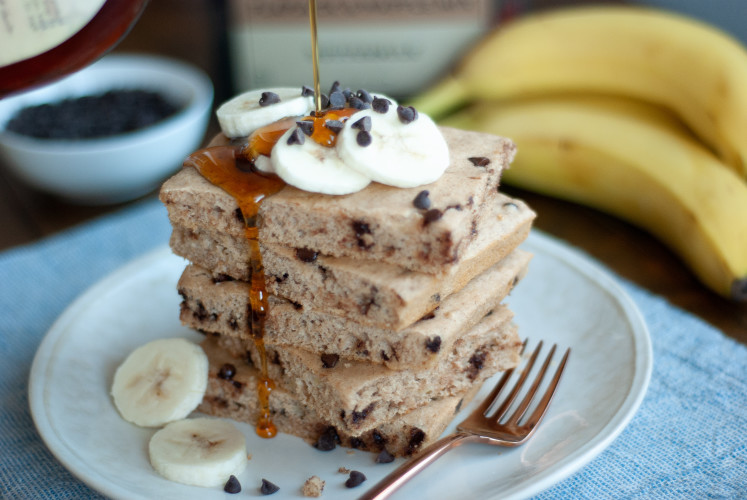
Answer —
565 299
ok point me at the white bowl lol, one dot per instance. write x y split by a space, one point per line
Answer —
116 168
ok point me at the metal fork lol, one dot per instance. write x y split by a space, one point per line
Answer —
486 424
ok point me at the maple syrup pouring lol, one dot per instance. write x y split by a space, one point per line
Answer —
315 58
232 168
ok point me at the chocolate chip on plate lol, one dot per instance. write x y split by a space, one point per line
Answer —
268 488
355 479
232 485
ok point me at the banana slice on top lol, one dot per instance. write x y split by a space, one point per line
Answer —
160 382
245 113
394 145
302 162
198 451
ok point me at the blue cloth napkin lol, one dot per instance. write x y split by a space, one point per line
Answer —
688 440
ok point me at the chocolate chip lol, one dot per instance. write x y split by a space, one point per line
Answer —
325 101
479 161
433 344
422 201
380 105
306 91
227 371
268 488
333 125
296 137
337 99
357 103
306 255
384 457
363 138
347 93
416 439
359 416
244 164
365 96
232 485
328 440
378 438
363 124
356 479
335 87
476 362
407 114
330 360
432 215
384 355
239 215
237 384
268 98
306 126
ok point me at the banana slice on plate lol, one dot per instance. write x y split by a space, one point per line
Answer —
302 162
245 113
198 451
160 382
394 145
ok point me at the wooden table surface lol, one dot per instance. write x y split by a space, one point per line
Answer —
191 30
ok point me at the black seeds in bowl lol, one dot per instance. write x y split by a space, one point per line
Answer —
88 117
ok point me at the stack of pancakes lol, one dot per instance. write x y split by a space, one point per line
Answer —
385 306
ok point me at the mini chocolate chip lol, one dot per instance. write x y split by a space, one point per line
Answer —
422 201
432 215
363 124
363 138
306 255
357 103
325 101
227 371
232 485
333 125
244 164
268 488
347 93
237 384
380 105
239 215
337 99
378 438
296 137
268 98
365 95
479 161
306 126
356 443
335 87
330 360
384 355
416 438
306 91
328 440
384 457
356 479
407 114
359 416
433 344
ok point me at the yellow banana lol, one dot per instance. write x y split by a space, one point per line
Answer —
635 164
689 67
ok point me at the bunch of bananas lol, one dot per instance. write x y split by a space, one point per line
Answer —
637 112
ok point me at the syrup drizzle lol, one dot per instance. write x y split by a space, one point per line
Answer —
232 168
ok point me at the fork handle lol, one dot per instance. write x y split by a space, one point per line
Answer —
397 478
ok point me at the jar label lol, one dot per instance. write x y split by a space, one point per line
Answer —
31 27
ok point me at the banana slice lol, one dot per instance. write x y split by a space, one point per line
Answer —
394 146
305 164
161 381
198 451
251 110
